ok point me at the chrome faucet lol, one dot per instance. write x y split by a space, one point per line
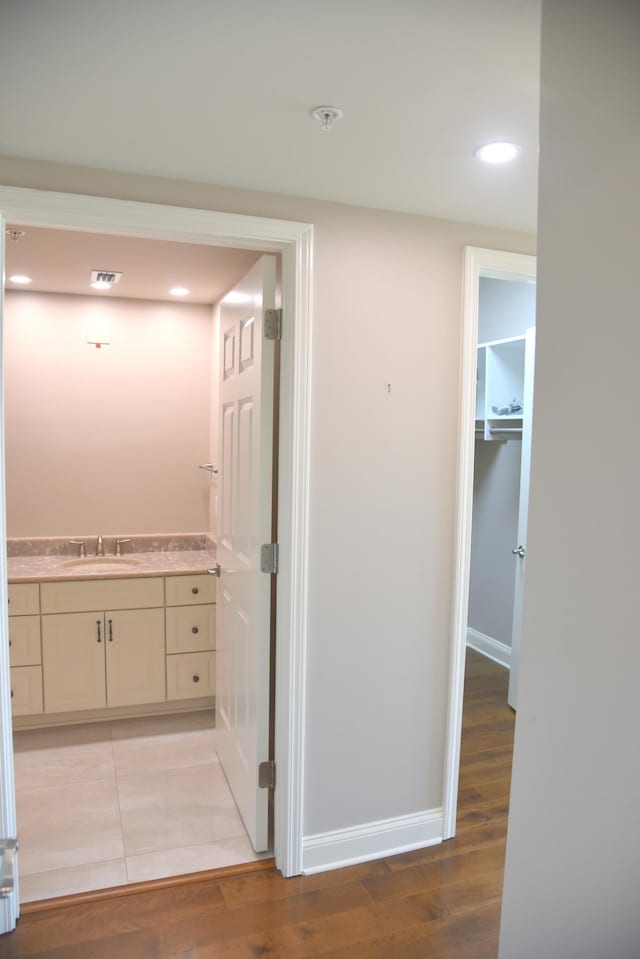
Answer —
79 542
99 547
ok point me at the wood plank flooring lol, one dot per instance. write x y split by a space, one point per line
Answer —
442 902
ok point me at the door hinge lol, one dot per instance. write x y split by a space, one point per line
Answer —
269 557
8 849
273 324
267 775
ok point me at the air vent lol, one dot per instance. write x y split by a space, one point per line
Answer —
105 276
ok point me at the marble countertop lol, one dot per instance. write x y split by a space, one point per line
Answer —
38 569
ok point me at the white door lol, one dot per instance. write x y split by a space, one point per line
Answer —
520 548
244 523
9 909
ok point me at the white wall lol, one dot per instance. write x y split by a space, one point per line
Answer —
573 851
387 309
506 308
105 440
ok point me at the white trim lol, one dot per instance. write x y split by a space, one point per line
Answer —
9 906
493 649
503 266
295 243
373 840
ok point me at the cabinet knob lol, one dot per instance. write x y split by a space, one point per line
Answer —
195 590
194 629
196 679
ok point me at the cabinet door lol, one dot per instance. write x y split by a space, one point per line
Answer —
24 640
26 690
190 628
135 656
73 662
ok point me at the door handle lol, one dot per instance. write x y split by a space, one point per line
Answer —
215 571
519 551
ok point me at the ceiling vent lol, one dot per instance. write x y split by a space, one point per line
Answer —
105 276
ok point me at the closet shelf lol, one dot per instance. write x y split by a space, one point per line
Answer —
500 384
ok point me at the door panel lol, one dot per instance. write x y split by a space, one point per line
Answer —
243 609
523 515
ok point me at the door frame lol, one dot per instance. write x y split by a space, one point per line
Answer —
498 265
294 242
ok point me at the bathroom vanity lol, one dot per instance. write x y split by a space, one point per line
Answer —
99 638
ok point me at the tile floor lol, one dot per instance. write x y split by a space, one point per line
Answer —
105 804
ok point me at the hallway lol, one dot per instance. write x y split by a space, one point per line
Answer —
442 902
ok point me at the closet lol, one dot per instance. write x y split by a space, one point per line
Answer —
504 406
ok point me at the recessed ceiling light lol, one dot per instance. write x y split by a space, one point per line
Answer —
500 152
101 285
179 291
19 278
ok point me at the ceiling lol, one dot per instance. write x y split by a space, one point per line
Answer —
221 92
61 261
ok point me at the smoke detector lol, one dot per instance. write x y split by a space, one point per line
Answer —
327 116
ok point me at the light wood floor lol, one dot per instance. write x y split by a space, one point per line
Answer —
441 903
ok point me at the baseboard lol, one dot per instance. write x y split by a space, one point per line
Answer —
44 720
374 840
491 648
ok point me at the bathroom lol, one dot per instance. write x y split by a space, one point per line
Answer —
111 410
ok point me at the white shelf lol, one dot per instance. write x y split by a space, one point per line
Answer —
500 382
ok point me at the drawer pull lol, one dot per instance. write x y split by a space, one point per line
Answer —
194 630
196 679
99 634
195 590
110 630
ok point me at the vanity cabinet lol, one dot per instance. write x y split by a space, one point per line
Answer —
89 646
24 649
96 660
190 629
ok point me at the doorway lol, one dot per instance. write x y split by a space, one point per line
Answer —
133 416
484 265
294 242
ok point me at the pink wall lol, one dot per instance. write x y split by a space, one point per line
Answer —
106 440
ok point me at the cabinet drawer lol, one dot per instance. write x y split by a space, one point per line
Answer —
24 640
79 596
24 598
190 628
190 675
187 590
26 690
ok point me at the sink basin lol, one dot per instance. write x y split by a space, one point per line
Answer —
92 564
